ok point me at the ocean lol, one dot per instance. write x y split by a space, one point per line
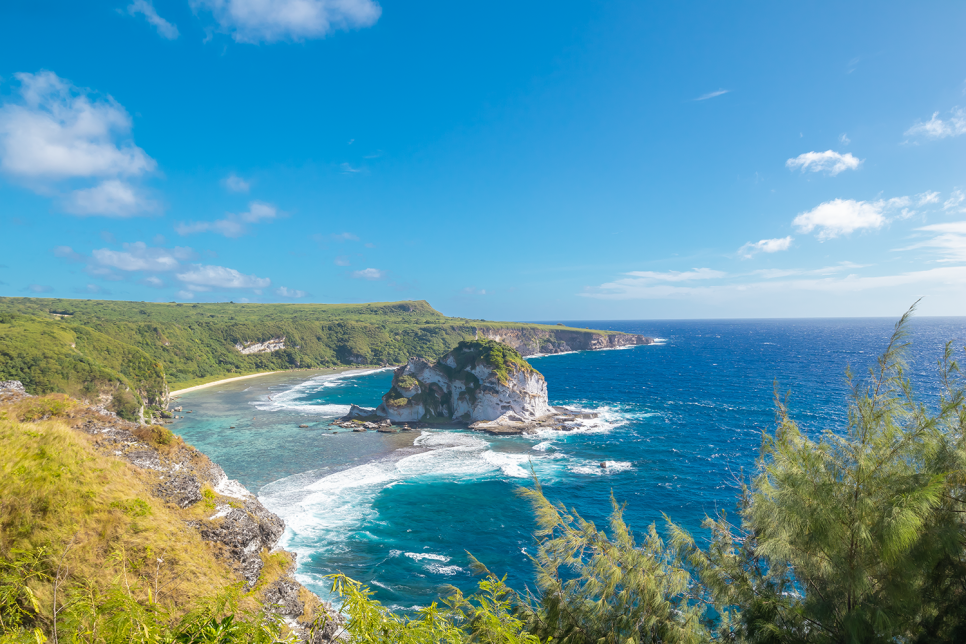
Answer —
680 423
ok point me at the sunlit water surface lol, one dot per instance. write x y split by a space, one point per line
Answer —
678 421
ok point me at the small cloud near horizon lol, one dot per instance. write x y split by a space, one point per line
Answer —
368 274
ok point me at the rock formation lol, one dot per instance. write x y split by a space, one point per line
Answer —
479 380
531 340
240 529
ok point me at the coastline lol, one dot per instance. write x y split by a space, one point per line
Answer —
223 381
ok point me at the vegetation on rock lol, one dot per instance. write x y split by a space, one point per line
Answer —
126 354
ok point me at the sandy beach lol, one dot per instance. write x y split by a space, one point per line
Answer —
178 392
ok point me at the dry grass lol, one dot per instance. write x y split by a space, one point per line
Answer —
94 515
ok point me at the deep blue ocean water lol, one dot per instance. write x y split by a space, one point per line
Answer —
679 421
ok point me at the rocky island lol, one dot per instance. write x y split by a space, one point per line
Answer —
483 384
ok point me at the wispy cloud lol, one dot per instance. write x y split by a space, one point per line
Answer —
369 274
937 128
728 292
677 276
206 277
342 260
146 9
281 291
258 21
472 290
948 240
713 94
829 162
751 249
955 201
235 183
232 226
137 257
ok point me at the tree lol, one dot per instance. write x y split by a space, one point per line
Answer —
857 536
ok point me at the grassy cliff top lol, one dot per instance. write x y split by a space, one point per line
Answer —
406 312
501 357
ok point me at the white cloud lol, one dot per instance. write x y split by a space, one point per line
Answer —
185 295
949 240
472 290
830 162
140 257
678 276
955 200
156 282
844 216
925 198
345 237
936 128
146 9
112 198
765 246
625 289
255 21
713 94
281 291
342 260
58 132
369 274
201 277
845 139
232 225
236 184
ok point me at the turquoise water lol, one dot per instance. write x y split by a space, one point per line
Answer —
679 420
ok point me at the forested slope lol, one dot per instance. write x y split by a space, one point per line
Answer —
127 352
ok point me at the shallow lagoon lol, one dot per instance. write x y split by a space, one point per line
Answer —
679 421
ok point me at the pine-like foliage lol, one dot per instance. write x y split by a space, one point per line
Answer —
857 536
606 589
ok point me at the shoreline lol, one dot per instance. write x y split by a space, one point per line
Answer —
323 372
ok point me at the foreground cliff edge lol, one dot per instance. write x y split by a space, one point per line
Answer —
93 499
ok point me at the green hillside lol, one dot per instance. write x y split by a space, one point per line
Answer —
126 352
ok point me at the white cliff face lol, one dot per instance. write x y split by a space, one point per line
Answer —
424 391
247 348
524 395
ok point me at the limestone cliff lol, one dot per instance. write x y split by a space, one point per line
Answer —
479 380
536 340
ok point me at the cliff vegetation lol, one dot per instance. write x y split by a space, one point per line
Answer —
125 355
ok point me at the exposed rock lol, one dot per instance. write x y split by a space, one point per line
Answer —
268 346
12 390
355 411
476 381
240 525
534 340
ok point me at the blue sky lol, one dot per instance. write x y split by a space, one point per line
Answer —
501 160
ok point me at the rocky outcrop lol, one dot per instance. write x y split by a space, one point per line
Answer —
268 346
476 381
536 340
240 529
